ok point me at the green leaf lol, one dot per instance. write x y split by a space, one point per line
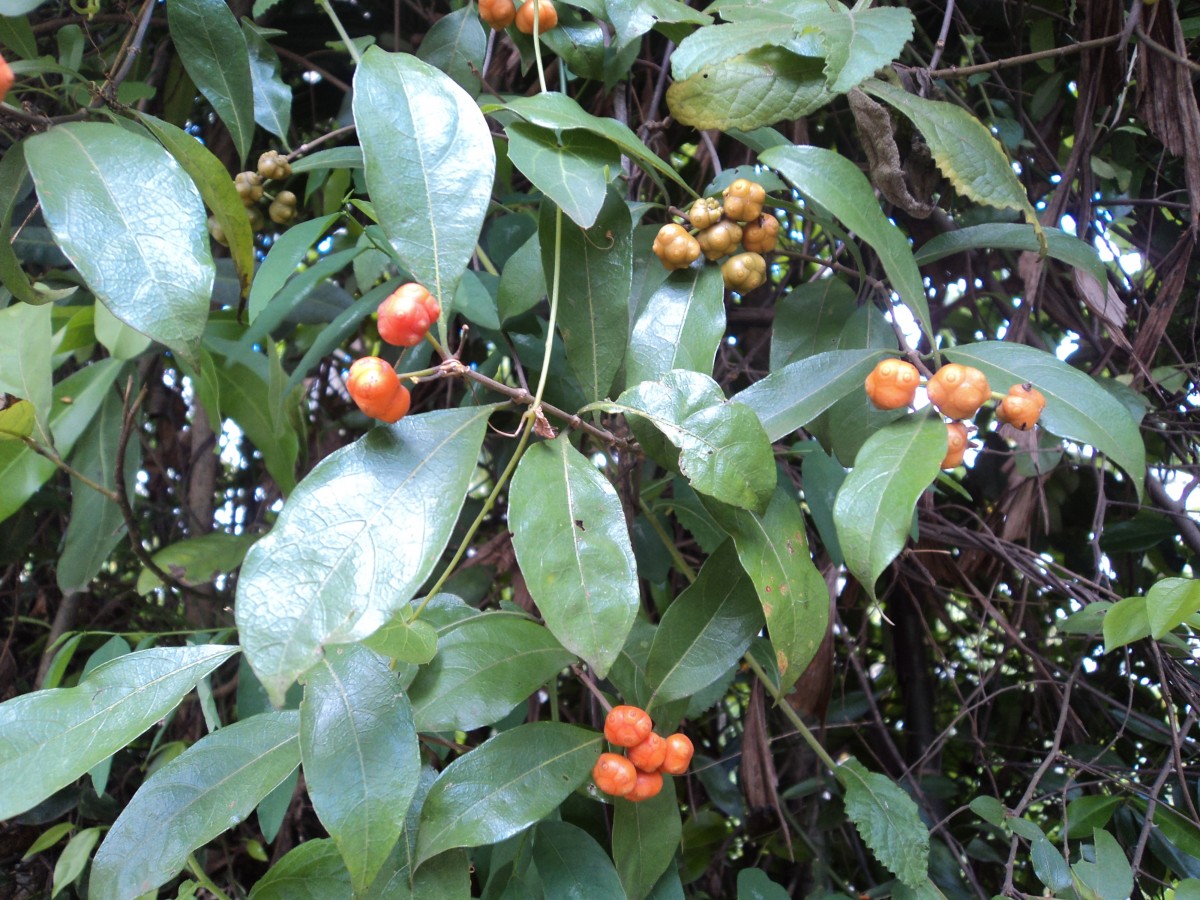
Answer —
1127 621
633 18
216 189
1110 876
704 631
765 28
750 90
558 111
523 282
888 821
429 166
1170 602
49 738
12 188
206 790
645 838
333 158
344 555
456 44
1010 236
214 53
48 839
74 859
773 550
272 96
360 754
142 251
505 785
1077 408
793 396
572 865
311 871
573 546
755 884
835 183
680 327
17 421
286 253
724 451
95 524
405 641
246 397
595 275
1087 813
860 41
572 168
25 371
198 560
989 809
965 151
484 667
76 400
121 341
809 320
875 505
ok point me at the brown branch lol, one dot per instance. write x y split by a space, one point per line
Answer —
965 71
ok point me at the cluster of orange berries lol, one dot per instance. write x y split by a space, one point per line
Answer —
499 14
638 775
273 166
957 392
719 228
404 320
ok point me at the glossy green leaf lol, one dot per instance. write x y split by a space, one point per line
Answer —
1170 602
456 44
17 421
809 320
272 96
572 865
216 189
285 255
1077 408
573 546
49 738
963 148
48 839
484 667
311 871
793 396
360 755
888 821
76 400
1125 622
96 525
767 27
572 168
505 785
143 251
989 809
25 348
558 111
523 282
773 550
755 884
1089 812
859 41
198 560
839 186
750 90
214 53
874 507
680 327
74 859
705 630
645 838
1110 876
206 790
724 451
595 275
404 640
344 556
121 341
1010 236
247 398
633 18
429 165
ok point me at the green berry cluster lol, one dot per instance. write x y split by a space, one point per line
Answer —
272 166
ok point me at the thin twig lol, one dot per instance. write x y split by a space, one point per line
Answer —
965 71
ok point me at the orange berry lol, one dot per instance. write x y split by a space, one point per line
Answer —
6 78
627 726
958 391
498 14
406 314
679 754
547 16
761 235
614 774
376 389
648 756
720 239
956 445
397 409
744 200
1022 407
648 785
893 383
